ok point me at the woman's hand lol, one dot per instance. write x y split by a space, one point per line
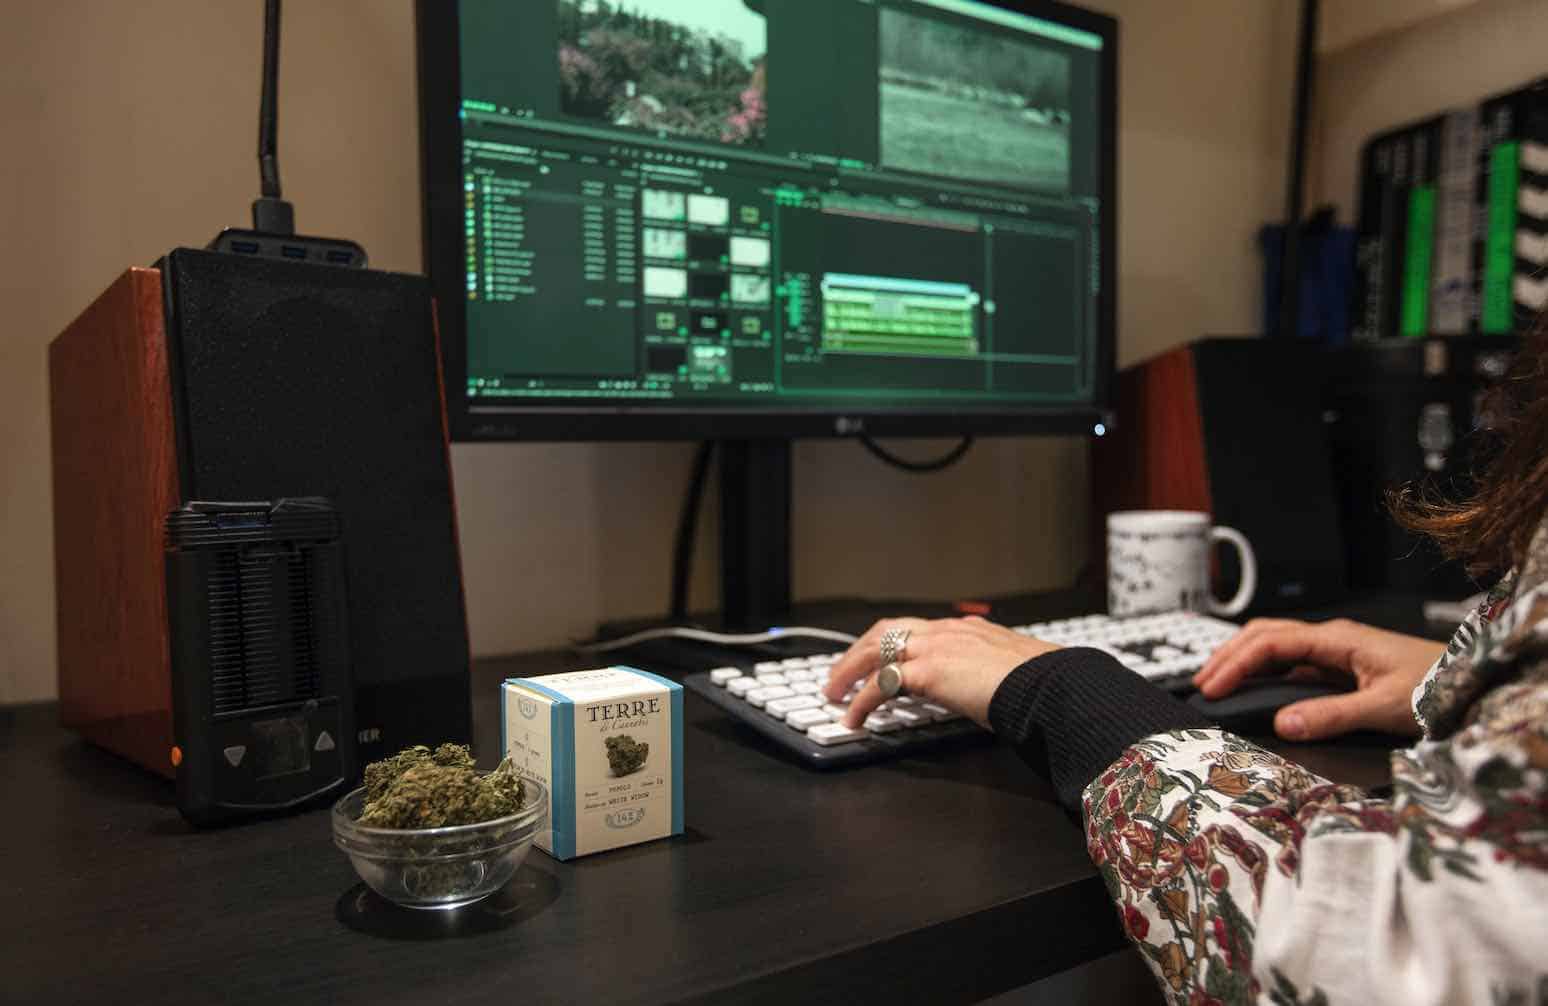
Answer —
955 662
1386 667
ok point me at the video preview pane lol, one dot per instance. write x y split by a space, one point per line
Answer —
972 104
685 68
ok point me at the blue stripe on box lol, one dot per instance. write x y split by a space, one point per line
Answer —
561 801
563 726
675 690
542 689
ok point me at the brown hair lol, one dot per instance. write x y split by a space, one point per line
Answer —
1490 530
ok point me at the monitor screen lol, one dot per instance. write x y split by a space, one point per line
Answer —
733 217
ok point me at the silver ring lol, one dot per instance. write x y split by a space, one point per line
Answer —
892 643
889 681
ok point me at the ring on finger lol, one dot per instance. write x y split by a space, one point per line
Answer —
893 642
889 681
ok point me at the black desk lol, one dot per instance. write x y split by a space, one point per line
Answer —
945 880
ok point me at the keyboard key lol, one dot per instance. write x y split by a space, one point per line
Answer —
939 714
760 696
882 723
803 719
804 687
721 675
805 675
910 717
834 733
766 666
741 686
783 707
837 712
771 678
795 663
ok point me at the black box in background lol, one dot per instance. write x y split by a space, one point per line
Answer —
1404 412
263 702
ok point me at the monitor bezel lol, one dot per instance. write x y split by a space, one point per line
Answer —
440 98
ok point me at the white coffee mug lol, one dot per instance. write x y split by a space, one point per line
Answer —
1158 560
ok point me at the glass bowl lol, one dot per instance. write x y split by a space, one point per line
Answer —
439 867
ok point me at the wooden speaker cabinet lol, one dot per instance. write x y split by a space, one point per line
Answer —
1232 427
221 377
115 478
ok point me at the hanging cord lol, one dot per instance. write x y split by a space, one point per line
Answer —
693 499
946 460
271 213
268 111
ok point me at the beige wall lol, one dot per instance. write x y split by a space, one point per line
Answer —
1344 23
130 129
1455 58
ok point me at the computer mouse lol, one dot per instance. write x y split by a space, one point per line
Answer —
1251 707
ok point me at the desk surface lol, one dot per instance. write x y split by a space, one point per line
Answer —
948 878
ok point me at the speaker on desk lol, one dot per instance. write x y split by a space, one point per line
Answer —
226 377
1233 427
1408 411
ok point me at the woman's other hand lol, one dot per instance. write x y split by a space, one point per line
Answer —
1386 667
954 662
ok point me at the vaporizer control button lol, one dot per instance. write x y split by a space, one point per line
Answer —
324 742
234 754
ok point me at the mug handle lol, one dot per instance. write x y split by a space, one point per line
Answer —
1249 584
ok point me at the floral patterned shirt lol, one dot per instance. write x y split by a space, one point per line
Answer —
1245 878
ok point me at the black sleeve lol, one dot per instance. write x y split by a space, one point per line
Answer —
1070 713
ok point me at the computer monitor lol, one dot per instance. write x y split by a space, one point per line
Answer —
656 219
753 220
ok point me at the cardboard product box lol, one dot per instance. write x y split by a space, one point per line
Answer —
608 744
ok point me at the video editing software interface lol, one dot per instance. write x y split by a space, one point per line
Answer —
778 204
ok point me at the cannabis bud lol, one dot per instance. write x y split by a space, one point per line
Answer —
625 754
420 788
379 775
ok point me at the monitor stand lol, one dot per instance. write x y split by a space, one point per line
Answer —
754 533
755 497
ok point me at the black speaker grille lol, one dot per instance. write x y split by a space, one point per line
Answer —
263 643
302 380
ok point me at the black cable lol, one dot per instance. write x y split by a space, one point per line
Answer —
268 112
687 525
1290 257
271 214
946 460
688 518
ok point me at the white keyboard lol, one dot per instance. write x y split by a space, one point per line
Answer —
784 698
790 690
1166 649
